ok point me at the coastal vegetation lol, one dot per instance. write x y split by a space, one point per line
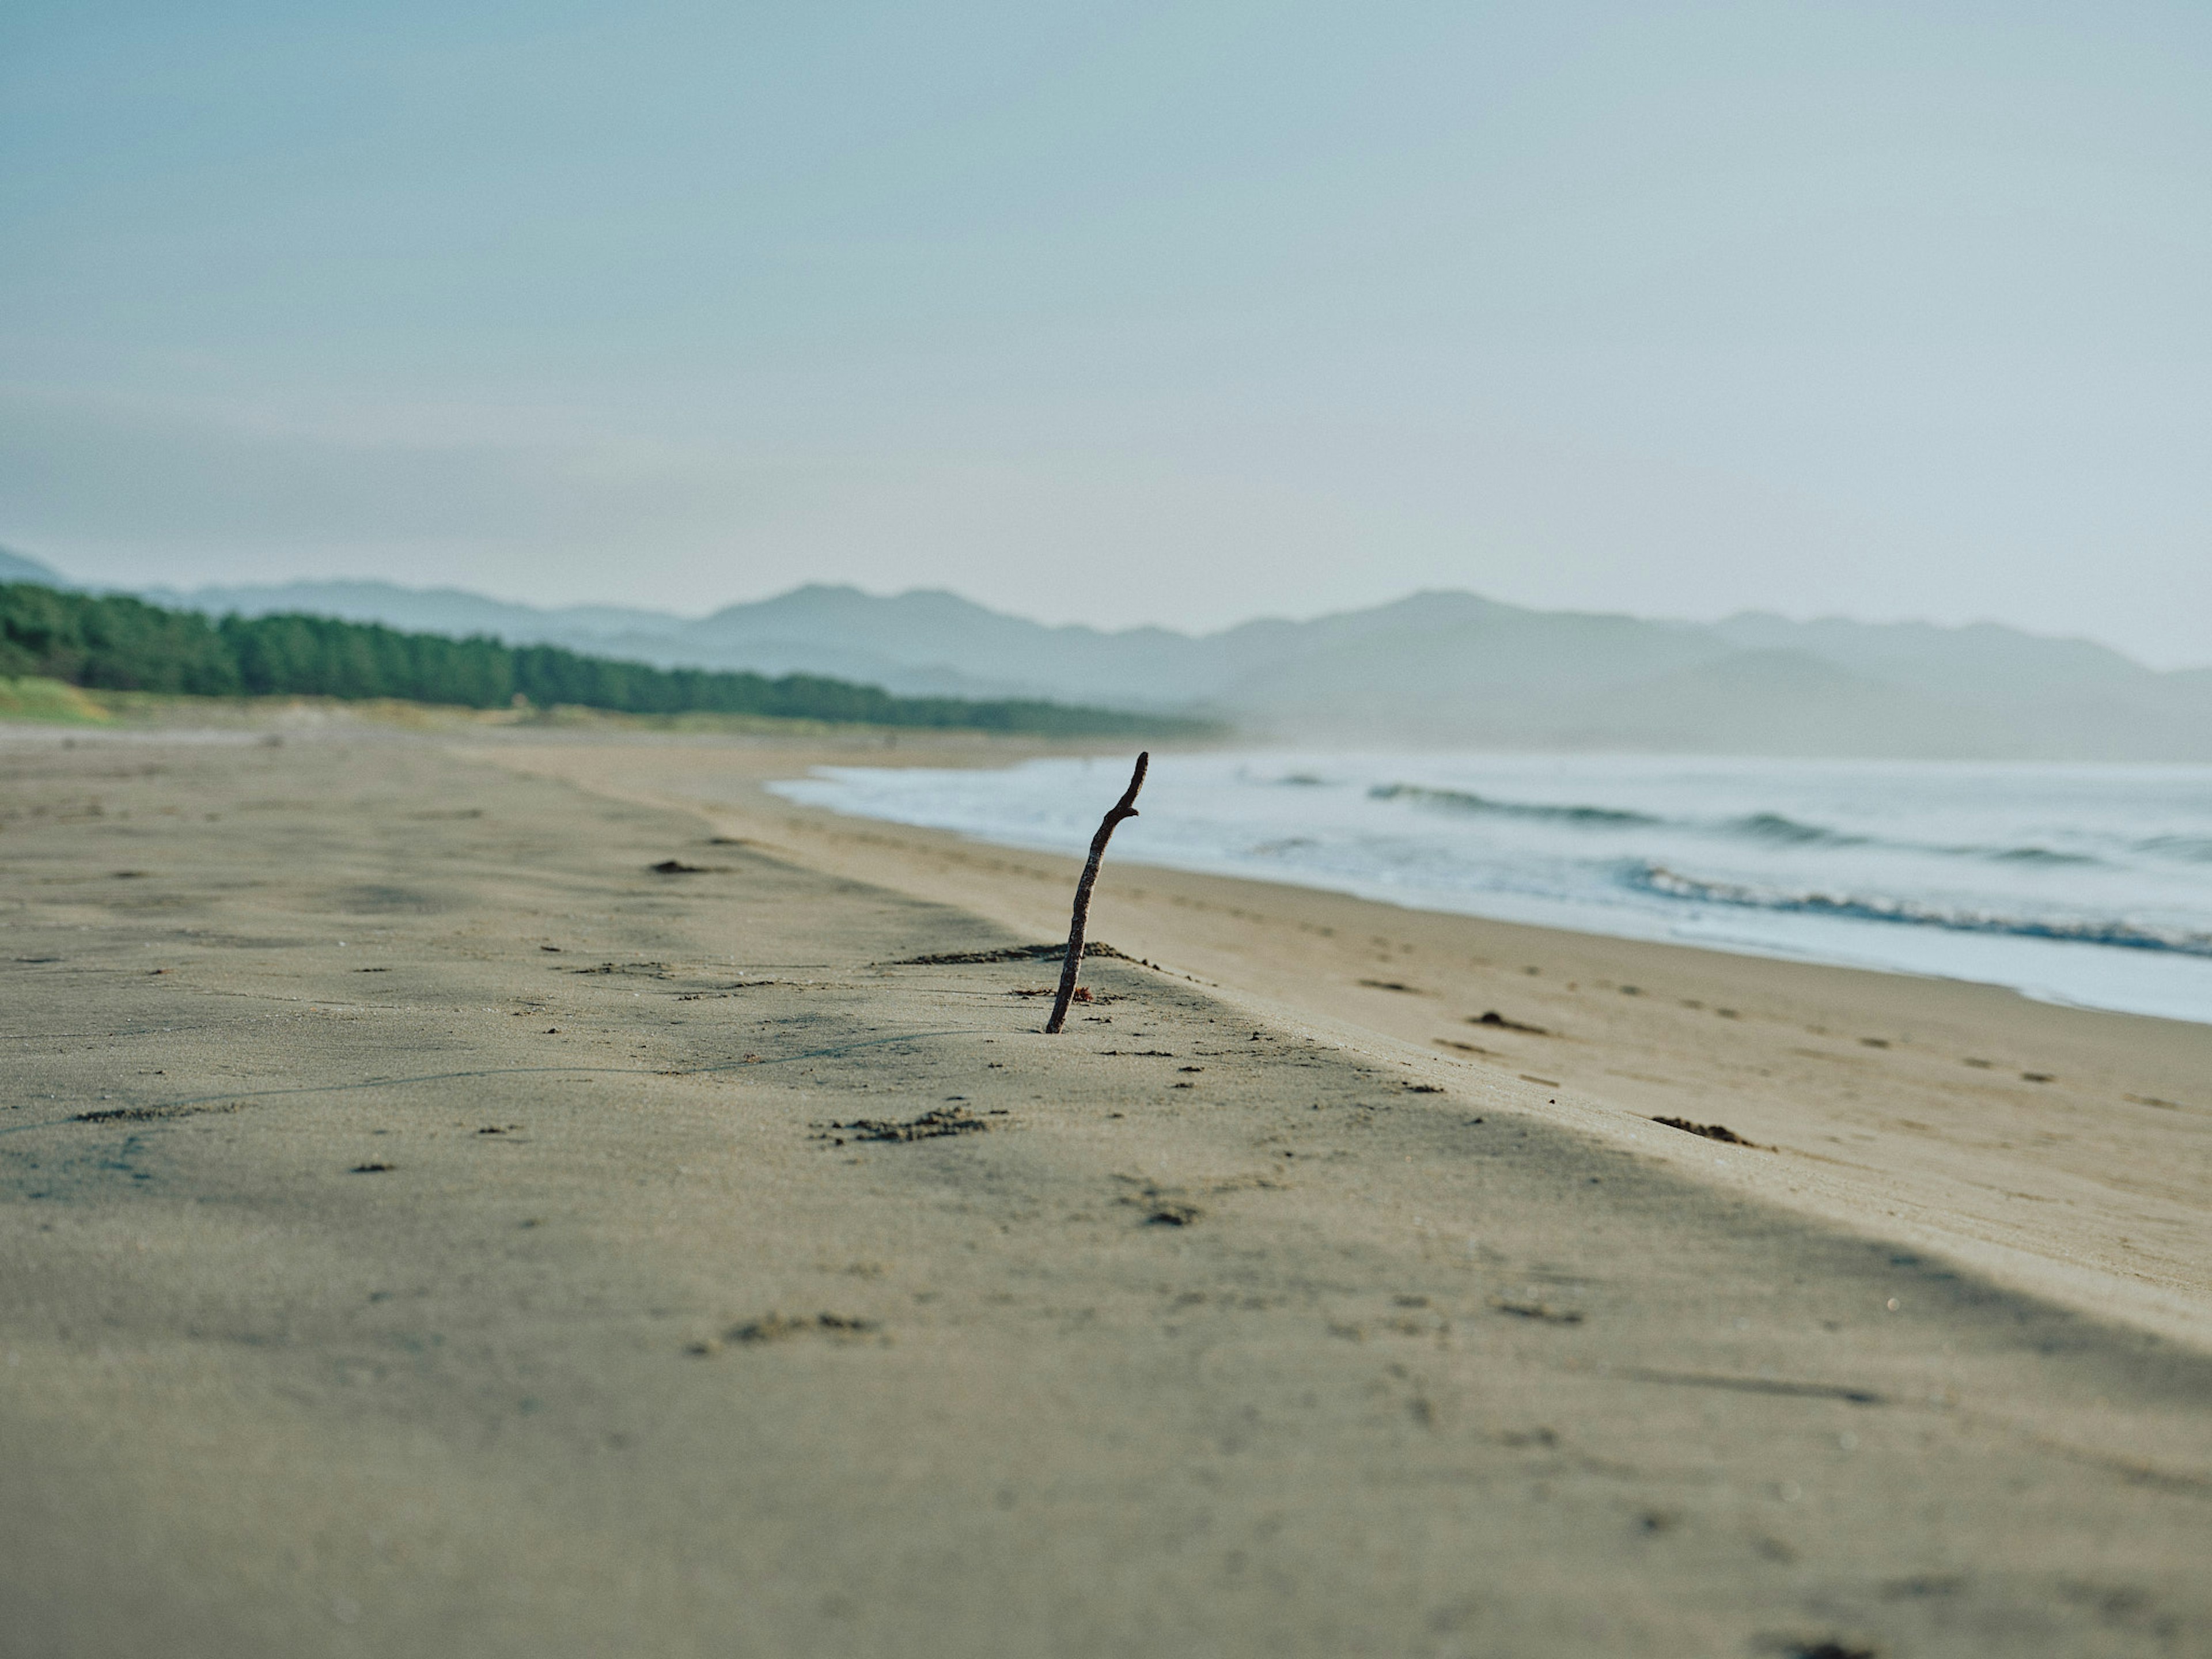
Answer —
113 642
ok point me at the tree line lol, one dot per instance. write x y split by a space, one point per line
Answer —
116 643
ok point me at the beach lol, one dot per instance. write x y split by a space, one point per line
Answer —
500 1192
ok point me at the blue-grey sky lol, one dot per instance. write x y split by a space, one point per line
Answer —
1173 312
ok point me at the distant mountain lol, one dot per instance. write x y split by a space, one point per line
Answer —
1518 679
1454 668
1434 668
432 610
21 567
942 634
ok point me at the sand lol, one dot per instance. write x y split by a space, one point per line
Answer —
2064 1151
428 1228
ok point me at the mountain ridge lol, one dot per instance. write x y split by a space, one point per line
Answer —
22 568
1440 666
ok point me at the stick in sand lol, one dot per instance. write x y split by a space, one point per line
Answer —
1124 808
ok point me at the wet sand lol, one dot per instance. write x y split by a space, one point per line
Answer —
430 1228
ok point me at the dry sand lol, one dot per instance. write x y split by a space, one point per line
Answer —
580 1258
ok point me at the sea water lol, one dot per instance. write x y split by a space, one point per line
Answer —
2087 885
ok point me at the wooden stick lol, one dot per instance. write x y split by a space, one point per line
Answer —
1124 808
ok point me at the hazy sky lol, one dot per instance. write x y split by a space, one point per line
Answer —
1176 312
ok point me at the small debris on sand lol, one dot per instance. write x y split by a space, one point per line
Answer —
776 1327
1010 953
1490 1016
930 1126
1710 1131
1540 1310
1166 1207
149 1113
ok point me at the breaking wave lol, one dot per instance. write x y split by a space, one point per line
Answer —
2127 935
2035 855
1774 829
1458 800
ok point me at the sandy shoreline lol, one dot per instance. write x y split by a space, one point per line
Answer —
580 1258
2066 1151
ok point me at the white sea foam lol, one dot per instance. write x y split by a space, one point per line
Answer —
2090 884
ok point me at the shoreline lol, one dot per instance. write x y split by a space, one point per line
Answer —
1716 859
2071 1161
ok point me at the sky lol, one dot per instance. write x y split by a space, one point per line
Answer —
1176 313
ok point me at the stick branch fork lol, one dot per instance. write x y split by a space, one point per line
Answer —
1072 964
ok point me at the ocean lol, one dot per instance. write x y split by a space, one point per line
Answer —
2083 885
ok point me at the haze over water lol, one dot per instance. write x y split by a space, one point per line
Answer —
2083 885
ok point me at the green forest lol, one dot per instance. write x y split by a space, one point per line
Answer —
115 643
